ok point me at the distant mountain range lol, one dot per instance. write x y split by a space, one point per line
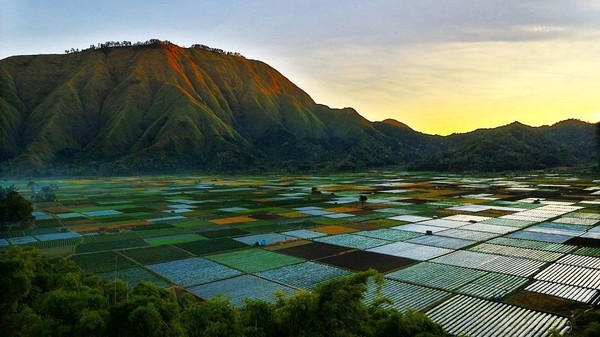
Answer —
163 108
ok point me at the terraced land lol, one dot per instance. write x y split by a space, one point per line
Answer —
476 253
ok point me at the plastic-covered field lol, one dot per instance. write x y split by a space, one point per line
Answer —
493 285
242 287
482 227
57 236
254 260
491 262
480 318
411 251
389 234
444 223
508 222
304 234
441 241
193 271
571 275
573 293
526 253
437 275
304 275
404 296
467 234
536 236
352 241
538 245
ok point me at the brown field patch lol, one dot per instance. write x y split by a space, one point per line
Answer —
314 250
232 220
360 260
56 209
545 303
334 229
293 215
98 226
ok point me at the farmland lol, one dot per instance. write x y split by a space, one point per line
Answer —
472 252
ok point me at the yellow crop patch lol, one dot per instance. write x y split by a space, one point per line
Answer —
293 215
232 220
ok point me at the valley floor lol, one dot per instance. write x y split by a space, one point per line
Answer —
514 255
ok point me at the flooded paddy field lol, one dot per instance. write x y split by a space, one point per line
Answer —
511 254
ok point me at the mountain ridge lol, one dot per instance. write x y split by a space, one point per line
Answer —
160 106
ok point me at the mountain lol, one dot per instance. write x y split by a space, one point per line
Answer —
160 107
515 147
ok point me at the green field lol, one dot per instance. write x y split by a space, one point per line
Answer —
490 235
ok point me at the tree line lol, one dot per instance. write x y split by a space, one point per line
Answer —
151 42
50 296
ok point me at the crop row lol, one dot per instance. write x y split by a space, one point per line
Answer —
240 288
538 245
304 275
571 275
562 290
581 261
193 271
490 262
352 241
517 252
476 317
404 296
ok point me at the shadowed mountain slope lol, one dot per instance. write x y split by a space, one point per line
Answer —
160 107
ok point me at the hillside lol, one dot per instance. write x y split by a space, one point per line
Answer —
160 107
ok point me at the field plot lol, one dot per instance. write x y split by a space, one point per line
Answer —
405 296
571 275
493 285
304 275
391 235
522 240
517 252
352 241
193 271
314 250
240 288
359 260
133 276
437 275
565 291
491 262
411 251
154 255
254 260
477 317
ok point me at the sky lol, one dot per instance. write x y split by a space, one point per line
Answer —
439 66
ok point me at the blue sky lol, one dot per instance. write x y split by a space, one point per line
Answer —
440 66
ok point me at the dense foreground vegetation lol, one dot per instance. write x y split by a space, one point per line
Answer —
50 296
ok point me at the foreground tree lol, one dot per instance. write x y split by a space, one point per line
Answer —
50 296
14 208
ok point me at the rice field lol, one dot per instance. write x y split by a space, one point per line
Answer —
456 247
